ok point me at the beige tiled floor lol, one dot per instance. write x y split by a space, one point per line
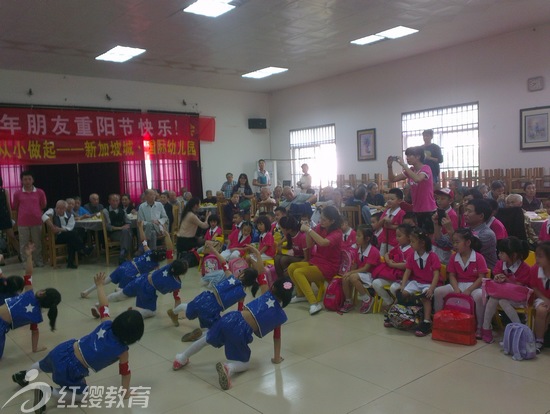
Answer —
333 364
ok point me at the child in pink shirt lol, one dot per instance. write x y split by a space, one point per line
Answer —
267 246
421 276
390 219
540 283
366 258
238 239
465 270
348 234
214 230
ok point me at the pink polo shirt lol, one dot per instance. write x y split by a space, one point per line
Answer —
425 275
476 265
398 254
327 258
422 193
388 235
29 206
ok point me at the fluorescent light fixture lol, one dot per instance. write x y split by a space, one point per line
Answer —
265 72
397 32
120 54
367 40
209 8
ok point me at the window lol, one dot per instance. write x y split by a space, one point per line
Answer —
456 131
316 147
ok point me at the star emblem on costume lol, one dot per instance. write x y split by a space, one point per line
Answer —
165 273
101 333
148 259
29 308
232 281
270 303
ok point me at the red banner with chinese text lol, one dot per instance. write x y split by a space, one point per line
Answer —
65 136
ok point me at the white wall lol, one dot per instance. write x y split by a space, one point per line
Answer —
236 148
491 71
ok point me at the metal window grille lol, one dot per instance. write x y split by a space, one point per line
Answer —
456 131
315 146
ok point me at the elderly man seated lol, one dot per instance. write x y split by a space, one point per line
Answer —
516 200
61 224
94 206
154 218
291 198
118 226
266 203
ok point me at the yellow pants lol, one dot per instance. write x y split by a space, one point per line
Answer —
303 275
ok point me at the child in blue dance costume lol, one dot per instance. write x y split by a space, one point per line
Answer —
234 331
26 308
70 362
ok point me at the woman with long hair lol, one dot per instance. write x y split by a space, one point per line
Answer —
189 223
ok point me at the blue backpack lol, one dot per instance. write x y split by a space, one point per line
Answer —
519 342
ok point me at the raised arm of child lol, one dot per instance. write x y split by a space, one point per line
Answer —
258 263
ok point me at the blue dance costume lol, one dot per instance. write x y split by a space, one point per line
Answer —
206 307
100 348
234 333
146 293
127 271
24 310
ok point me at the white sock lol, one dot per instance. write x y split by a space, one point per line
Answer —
181 307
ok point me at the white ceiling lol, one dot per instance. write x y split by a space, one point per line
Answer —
310 37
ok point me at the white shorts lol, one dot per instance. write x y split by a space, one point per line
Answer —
366 279
414 287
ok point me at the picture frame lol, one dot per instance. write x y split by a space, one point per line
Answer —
534 128
366 145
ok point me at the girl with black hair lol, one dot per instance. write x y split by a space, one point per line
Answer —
145 287
189 223
26 309
10 286
234 331
511 268
421 277
324 262
465 271
128 270
70 362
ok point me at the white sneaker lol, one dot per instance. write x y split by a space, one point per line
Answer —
298 299
315 308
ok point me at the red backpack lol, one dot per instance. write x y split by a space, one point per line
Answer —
334 296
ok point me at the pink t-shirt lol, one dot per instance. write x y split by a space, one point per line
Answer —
515 274
371 255
422 193
327 258
498 228
476 265
425 275
537 280
544 231
266 239
398 254
454 219
29 206
299 244
388 235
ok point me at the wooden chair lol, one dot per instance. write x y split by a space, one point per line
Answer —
221 206
353 214
55 251
112 247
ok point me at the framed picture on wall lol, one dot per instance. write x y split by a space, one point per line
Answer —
366 144
534 128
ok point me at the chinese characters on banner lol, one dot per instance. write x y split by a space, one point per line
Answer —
64 136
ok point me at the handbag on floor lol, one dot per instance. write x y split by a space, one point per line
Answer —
456 323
